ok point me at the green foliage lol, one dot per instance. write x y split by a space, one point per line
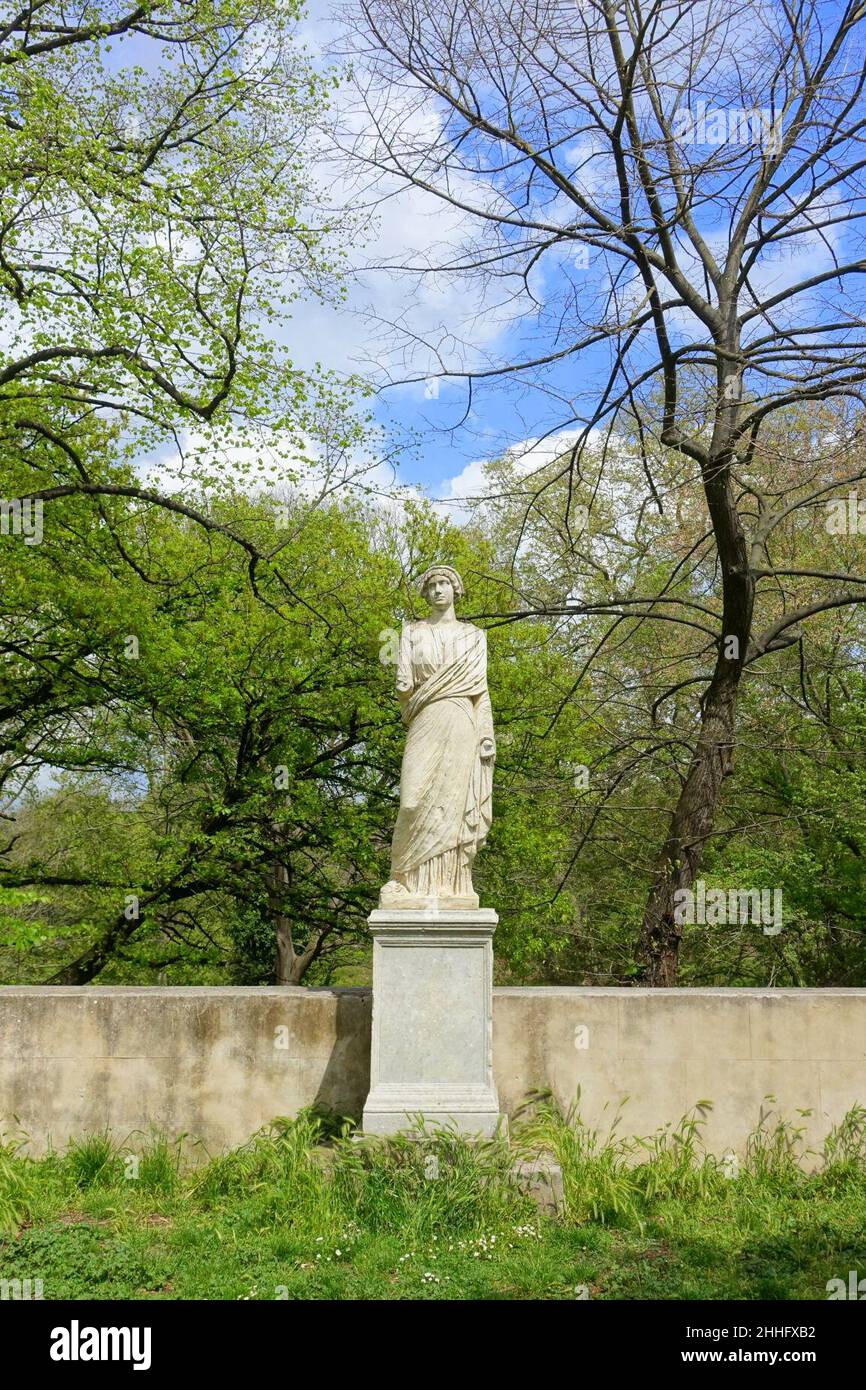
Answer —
16 1188
305 1211
432 1186
95 1161
789 817
158 215
618 1180
248 729
278 1164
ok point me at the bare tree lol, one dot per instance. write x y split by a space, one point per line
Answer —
704 162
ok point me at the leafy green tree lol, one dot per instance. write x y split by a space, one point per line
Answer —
790 818
157 217
228 754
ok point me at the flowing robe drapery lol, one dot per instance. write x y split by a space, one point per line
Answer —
445 785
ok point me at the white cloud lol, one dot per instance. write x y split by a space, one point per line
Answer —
442 320
473 483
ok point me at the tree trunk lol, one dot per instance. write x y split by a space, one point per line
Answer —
291 965
713 757
283 927
691 822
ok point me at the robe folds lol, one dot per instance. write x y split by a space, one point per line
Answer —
445 785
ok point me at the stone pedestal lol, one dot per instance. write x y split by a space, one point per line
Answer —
432 1047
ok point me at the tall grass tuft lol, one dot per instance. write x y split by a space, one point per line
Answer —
618 1181
278 1167
774 1149
677 1166
94 1161
160 1163
434 1182
19 1179
844 1151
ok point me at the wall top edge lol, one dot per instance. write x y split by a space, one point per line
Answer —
226 992
229 992
711 992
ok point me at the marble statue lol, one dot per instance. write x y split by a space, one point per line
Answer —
447 773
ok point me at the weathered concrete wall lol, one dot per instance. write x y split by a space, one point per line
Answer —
218 1063
210 1062
666 1049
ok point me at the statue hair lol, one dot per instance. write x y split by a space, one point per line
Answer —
449 572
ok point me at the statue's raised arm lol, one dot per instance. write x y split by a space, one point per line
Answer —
447 774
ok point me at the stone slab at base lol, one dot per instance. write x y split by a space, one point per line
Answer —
541 1179
432 1044
412 902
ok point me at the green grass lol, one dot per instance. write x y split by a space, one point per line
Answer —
304 1211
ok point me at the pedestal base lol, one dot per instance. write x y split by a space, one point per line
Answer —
432 1046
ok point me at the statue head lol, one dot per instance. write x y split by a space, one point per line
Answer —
441 585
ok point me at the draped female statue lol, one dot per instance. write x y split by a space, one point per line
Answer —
447 773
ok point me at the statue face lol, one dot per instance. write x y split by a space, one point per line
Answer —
439 592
